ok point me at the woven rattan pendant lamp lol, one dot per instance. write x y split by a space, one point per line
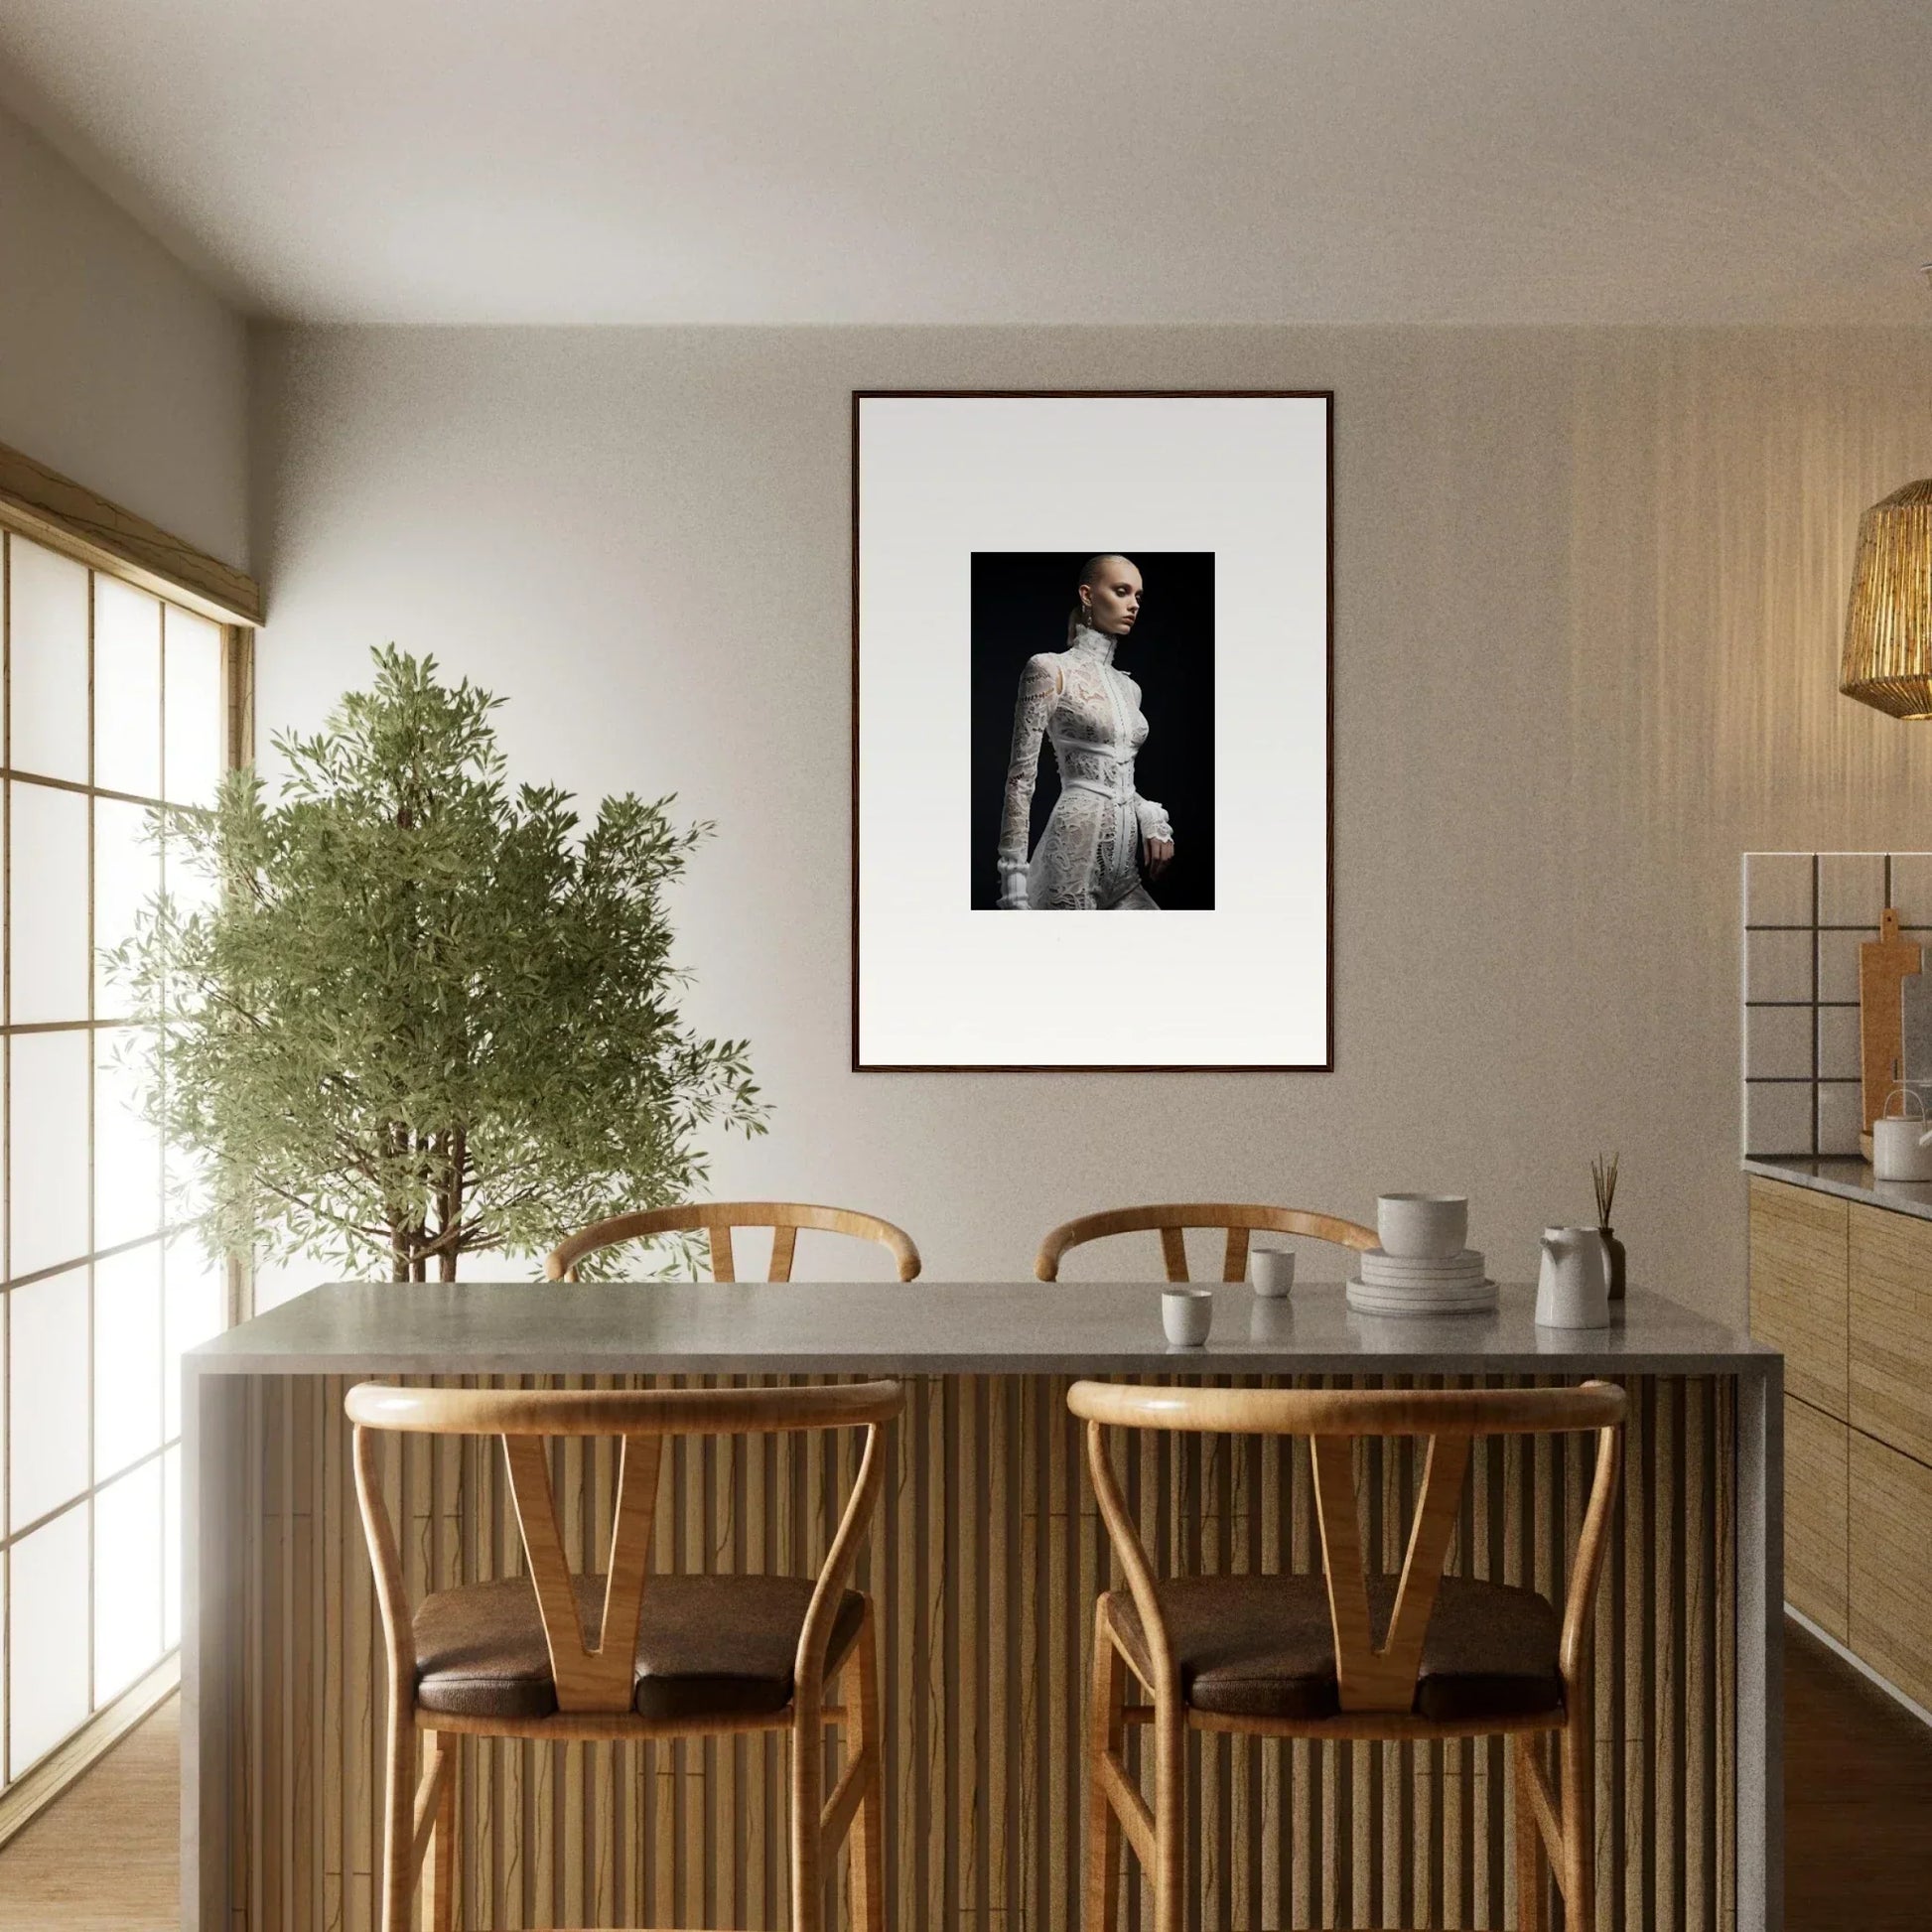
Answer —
1888 658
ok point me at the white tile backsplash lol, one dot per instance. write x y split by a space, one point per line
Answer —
1777 966
1777 887
1838 1044
1911 887
1778 1043
1851 887
1840 1116
1803 1091
1837 962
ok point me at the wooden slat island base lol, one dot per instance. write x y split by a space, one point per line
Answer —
986 1555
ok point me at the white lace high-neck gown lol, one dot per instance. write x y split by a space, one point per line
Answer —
1088 856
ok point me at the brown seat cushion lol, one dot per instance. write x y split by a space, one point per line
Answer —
707 1646
1262 1647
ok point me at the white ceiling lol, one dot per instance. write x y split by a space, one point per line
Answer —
845 161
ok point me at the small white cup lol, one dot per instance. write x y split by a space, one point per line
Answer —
1186 1314
1423 1226
1271 1270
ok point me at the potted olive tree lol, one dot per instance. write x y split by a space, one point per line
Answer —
414 1014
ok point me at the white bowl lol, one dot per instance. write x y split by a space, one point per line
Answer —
1419 1225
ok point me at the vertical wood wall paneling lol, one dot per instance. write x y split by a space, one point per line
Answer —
986 1558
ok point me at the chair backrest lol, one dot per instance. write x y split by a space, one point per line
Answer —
593 1671
1371 1675
717 1218
1172 1219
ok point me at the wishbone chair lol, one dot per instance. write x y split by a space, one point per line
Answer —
716 1219
1172 1219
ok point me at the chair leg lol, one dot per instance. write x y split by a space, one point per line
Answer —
1106 1735
399 1822
1531 1884
1169 1810
439 1907
808 1801
869 1827
1578 1878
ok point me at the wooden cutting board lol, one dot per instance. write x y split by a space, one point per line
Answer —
1885 963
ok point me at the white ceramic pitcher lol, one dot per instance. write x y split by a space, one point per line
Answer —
1572 1291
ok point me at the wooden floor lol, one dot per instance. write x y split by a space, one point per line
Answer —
1857 1819
1858 1803
106 1856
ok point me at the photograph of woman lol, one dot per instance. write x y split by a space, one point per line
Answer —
1107 841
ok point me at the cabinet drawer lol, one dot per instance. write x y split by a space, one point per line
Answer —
1891 1329
1816 1499
1799 1266
1892 1566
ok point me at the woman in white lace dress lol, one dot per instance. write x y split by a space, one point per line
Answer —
1101 832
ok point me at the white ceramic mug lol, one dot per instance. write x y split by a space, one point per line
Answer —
1423 1226
1188 1313
1271 1270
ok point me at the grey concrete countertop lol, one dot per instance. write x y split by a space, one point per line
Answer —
1851 1179
934 1328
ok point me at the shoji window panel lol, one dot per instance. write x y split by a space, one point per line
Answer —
114 700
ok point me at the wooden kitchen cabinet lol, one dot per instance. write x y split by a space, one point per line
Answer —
1891 1565
1800 1289
1844 1288
1891 1329
1817 1476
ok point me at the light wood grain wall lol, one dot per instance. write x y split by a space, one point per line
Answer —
986 1558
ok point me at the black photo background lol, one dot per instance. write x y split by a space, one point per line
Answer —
1021 600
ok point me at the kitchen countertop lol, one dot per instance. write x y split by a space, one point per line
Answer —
932 1327
1851 1179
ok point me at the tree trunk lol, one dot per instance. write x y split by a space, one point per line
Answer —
456 1151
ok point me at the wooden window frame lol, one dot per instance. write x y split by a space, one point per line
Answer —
48 508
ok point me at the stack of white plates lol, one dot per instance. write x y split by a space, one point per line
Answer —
1422 1285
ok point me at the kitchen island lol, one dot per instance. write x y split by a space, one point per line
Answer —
985 1556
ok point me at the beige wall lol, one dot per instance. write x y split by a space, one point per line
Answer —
1587 590
117 366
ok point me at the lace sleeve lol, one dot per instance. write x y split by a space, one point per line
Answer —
1039 684
1153 819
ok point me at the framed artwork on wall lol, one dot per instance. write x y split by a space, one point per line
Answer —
1042 722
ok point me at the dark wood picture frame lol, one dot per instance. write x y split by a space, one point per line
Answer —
1324 396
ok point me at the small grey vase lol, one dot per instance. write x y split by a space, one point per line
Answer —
1613 1250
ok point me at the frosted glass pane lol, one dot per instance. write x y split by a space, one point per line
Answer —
127 876
127 688
46 833
47 1393
127 1151
197 1306
46 1675
127 1358
127 1580
171 1549
184 1185
195 714
49 663
190 886
48 1149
